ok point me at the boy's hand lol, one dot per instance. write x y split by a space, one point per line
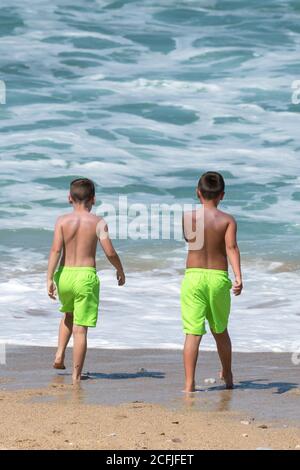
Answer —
237 287
51 289
121 278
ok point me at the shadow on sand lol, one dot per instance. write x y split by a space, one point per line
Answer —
120 375
261 384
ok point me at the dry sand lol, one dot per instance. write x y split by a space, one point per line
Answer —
31 420
126 407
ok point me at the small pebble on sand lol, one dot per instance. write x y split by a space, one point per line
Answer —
244 435
263 426
210 380
245 422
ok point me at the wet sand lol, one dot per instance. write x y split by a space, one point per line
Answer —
133 400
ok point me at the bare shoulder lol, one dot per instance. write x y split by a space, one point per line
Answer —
65 220
190 217
97 222
62 219
227 218
95 218
192 214
188 214
98 218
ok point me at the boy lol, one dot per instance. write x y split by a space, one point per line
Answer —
205 290
75 244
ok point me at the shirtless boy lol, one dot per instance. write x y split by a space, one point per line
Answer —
74 248
205 290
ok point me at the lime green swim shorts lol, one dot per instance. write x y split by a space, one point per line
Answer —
205 295
78 291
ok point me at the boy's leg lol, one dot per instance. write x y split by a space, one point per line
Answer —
79 351
65 332
225 353
190 356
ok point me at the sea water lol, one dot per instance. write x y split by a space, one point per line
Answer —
143 96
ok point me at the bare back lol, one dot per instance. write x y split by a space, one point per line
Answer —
212 253
79 238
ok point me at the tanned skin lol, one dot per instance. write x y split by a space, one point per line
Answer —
75 241
219 246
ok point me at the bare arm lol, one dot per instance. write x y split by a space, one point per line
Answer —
233 254
110 251
54 257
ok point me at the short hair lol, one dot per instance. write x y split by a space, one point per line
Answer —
211 185
82 190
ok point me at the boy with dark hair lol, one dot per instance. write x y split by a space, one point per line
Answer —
205 290
74 248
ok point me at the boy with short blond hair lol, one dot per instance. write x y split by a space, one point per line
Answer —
74 248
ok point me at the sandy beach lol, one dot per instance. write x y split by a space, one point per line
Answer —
133 400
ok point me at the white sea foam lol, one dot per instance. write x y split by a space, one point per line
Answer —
146 313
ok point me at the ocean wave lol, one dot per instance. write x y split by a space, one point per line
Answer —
143 97
147 311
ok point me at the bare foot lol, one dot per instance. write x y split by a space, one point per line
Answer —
59 363
190 388
76 381
229 385
228 379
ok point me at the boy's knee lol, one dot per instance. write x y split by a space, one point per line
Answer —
79 330
221 335
68 317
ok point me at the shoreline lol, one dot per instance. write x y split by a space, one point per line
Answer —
133 400
157 376
176 347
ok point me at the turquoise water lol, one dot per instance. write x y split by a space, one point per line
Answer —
143 97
